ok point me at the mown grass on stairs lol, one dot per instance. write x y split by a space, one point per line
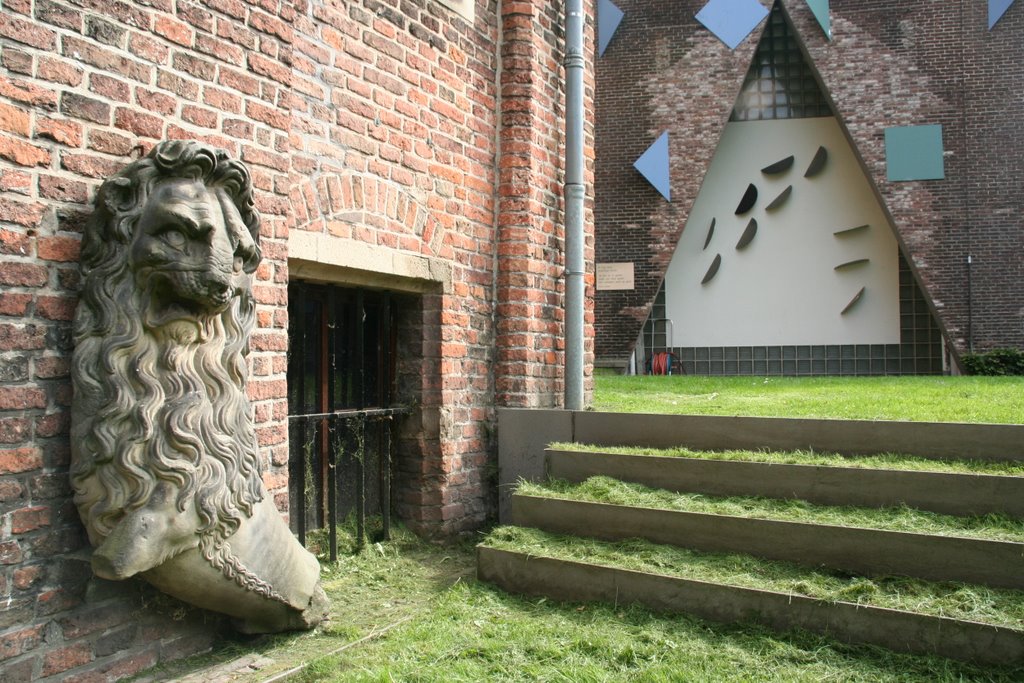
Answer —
891 461
999 607
476 633
607 490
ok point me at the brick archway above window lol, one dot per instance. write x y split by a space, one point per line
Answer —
366 209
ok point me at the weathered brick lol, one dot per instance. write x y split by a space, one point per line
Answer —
62 189
21 640
16 61
196 16
105 58
183 88
88 108
206 118
60 70
65 658
52 424
55 308
27 32
20 398
14 120
14 369
15 337
13 461
90 165
65 132
14 242
173 30
194 66
110 143
151 50
110 88
20 91
22 153
10 552
25 577
11 491
58 248
14 429
153 101
27 214
19 181
105 32
59 15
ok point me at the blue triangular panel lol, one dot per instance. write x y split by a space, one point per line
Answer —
608 19
996 9
653 165
820 9
731 20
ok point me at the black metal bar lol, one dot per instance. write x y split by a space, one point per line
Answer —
360 484
334 440
306 445
368 412
332 487
386 424
360 356
300 365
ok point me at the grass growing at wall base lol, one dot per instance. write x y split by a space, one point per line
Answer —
918 399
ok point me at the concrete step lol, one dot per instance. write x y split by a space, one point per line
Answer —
543 575
864 551
952 493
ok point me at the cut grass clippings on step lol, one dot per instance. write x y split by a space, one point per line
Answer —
917 399
890 461
607 490
477 633
454 629
384 584
998 607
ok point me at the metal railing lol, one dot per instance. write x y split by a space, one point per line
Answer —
334 451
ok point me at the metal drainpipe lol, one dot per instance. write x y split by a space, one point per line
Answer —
575 267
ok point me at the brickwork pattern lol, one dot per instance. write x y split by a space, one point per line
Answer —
387 122
85 87
889 64
531 236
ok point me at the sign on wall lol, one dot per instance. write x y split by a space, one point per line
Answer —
612 276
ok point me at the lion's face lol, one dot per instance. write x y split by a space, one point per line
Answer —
191 253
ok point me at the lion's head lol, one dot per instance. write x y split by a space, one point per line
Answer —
161 334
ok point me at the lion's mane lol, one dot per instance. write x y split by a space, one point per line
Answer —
151 407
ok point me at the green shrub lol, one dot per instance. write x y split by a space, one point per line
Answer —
997 362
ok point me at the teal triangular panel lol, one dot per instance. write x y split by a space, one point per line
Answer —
608 19
653 165
996 9
821 13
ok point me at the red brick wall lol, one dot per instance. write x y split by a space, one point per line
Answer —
889 64
531 236
86 86
394 123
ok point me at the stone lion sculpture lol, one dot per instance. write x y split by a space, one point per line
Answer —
164 464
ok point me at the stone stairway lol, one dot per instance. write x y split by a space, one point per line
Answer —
980 548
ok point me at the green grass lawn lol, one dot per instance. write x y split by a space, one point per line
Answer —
408 610
927 399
